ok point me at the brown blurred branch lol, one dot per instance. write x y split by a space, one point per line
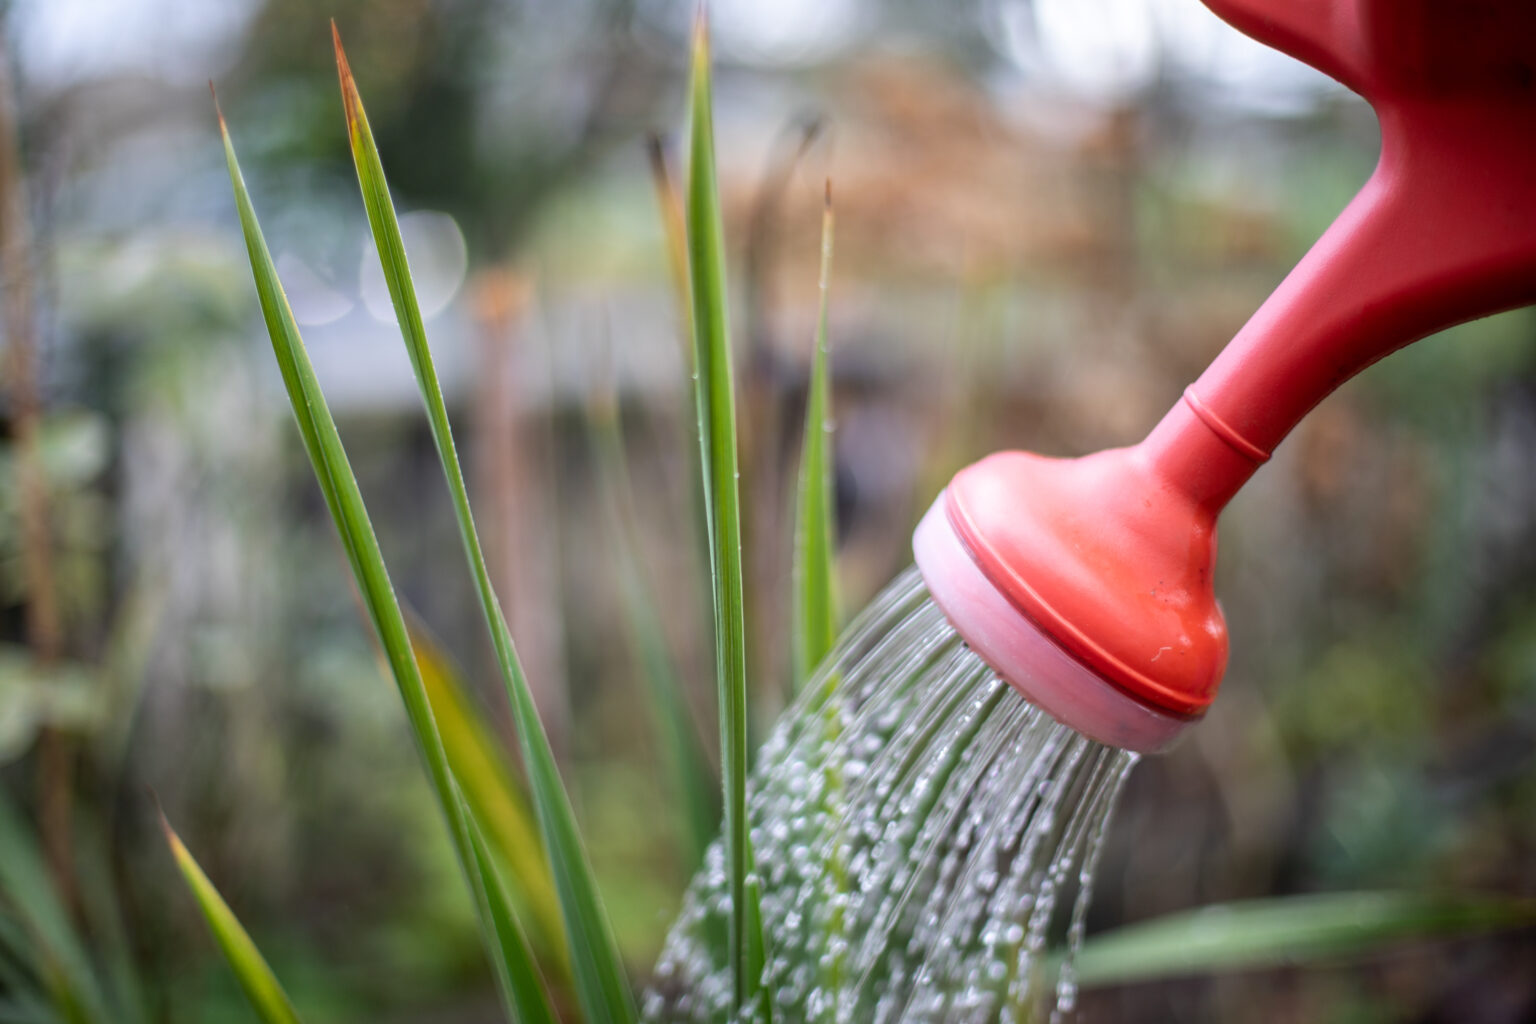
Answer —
793 143
670 205
45 634
763 395
514 468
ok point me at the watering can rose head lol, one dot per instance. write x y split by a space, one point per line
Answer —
1086 583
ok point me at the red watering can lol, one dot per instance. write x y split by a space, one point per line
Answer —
1087 582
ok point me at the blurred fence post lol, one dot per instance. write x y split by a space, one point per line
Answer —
515 477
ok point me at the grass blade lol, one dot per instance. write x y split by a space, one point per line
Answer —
493 796
757 949
714 397
52 943
695 787
815 611
601 984
529 1004
256 978
323 445
121 979
517 973
1289 931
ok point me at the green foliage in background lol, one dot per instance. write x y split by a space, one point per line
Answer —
46 964
695 785
1314 929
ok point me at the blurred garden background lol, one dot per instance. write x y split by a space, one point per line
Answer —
1051 215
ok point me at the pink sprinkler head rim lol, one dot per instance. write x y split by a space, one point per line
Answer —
1023 655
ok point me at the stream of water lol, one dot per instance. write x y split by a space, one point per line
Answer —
916 824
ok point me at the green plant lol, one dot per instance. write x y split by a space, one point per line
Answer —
48 969
452 748
510 955
816 617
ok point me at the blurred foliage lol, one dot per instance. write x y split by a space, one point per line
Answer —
1307 929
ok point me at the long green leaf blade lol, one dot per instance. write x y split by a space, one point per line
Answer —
815 612
714 397
322 443
1288 931
600 980
256 978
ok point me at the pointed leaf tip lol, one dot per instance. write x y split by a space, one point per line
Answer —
165 823
828 201
179 851
165 826
219 111
251 970
656 153
349 96
701 29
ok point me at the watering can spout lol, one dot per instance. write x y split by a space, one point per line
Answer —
1444 231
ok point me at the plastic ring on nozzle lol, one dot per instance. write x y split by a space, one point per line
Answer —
1025 656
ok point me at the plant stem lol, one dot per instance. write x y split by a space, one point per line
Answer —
45 633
